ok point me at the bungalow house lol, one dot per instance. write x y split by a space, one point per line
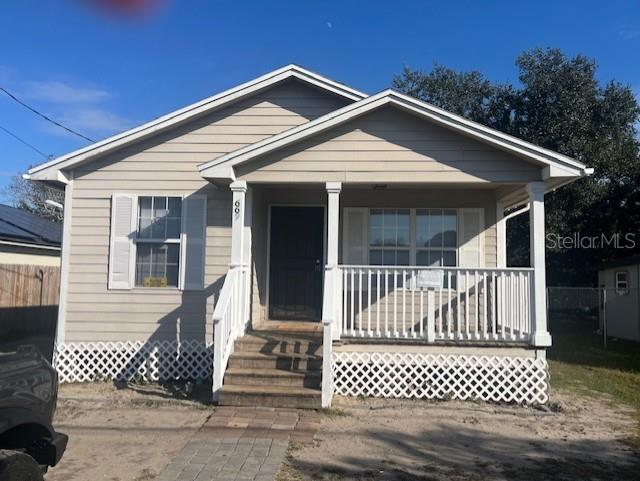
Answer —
293 238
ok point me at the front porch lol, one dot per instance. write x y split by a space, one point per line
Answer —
452 289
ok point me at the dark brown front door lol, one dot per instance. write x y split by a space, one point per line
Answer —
296 263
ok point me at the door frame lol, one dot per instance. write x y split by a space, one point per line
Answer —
324 249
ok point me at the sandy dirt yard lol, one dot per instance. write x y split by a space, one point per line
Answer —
122 434
576 439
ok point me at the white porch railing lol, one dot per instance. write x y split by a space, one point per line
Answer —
230 318
471 304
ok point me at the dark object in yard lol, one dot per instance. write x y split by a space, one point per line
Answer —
28 396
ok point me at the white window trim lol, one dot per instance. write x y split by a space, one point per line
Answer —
412 228
412 232
135 242
621 290
414 235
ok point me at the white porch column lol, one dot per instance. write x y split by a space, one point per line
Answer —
333 222
333 226
239 189
540 336
239 253
330 319
501 235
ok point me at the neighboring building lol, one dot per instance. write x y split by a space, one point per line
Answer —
28 239
621 279
353 239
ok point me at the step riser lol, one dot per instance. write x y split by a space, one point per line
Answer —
227 399
245 380
284 364
279 347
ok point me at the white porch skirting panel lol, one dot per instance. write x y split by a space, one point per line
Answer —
131 360
523 380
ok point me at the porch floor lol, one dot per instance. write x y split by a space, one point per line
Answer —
290 327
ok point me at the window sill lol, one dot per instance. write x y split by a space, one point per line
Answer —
156 289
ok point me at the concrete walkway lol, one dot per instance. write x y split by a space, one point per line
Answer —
241 444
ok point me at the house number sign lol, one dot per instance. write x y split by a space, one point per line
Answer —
236 209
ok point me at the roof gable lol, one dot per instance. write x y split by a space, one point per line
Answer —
51 171
388 145
556 164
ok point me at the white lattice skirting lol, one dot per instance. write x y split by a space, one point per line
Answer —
151 361
441 376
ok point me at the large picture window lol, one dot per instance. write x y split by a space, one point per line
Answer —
158 241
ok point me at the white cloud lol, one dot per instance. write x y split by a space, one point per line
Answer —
92 121
64 93
81 106
98 120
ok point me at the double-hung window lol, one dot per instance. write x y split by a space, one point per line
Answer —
389 237
436 237
622 282
159 221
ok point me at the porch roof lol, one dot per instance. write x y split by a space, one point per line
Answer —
557 169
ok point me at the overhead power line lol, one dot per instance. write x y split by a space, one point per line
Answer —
22 141
44 116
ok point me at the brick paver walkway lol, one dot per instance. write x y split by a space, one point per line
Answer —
241 444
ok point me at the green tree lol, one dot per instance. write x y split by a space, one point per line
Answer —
558 104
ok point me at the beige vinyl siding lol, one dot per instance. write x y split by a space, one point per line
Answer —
28 256
167 165
389 145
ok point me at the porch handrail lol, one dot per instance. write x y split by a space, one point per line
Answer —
331 308
445 268
227 322
481 304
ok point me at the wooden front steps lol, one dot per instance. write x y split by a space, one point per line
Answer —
274 368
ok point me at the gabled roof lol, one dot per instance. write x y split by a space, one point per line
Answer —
558 165
21 226
51 170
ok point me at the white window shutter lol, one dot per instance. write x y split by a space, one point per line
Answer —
194 220
355 239
471 238
121 245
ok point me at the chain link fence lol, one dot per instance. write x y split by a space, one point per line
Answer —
612 313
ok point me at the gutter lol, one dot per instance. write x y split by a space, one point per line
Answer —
33 246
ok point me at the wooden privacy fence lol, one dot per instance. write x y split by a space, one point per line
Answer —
26 286
29 305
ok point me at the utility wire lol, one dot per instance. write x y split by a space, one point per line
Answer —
44 116
22 141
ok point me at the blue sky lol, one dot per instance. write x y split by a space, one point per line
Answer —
101 74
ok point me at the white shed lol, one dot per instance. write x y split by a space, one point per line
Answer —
619 280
